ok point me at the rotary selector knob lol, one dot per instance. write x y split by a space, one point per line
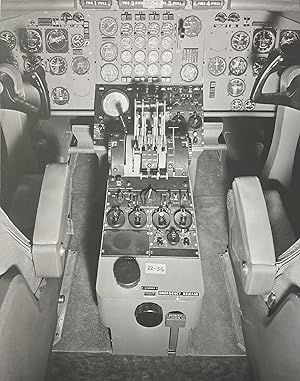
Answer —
173 237
137 217
183 218
195 121
161 218
115 217
127 272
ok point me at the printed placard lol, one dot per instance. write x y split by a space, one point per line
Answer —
156 268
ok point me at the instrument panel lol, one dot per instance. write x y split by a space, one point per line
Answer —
221 51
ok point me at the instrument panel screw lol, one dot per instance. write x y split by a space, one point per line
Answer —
244 268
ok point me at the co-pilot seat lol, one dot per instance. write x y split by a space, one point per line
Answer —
265 254
34 236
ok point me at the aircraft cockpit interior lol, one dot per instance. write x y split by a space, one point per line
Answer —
149 184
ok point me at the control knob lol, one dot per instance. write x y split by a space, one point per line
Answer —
137 217
195 121
183 218
161 218
115 217
173 237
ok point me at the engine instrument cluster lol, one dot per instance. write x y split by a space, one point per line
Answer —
221 51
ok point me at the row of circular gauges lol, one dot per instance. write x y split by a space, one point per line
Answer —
232 17
263 40
31 40
57 64
237 66
110 73
108 27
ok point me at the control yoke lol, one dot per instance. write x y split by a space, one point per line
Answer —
277 62
14 100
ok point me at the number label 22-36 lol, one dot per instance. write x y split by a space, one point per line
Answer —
156 268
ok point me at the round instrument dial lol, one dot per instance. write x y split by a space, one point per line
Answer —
263 40
249 105
140 70
139 42
109 72
153 42
109 51
189 72
126 70
65 17
78 17
31 40
153 56
166 56
153 28
192 26
31 63
60 95
167 43
216 66
139 56
236 105
238 66
258 65
140 28
166 70
126 42
153 70
8 39
221 17
115 103
236 87
126 28
240 41
108 26
80 65
233 17
57 40
288 38
126 56
167 28
77 41
58 65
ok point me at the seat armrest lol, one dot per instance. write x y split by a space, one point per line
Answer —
256 253
51 224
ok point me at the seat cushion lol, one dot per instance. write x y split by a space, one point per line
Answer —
282 231
24 203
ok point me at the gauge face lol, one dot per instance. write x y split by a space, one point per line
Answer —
240 41
216 65
8 39
167 28
139 42
153 56
31 41
140 28
126 42
58 65
288 38
238 66
166 56
60 96
189 72
77 41
233 17
140 70
65 17
115 103
249 105
153 29
109 51
126 70
258 65
167 43
153 70
108 26
192 26
166 70
153 42
31 63
236 105
56 40
236 87
139 56
109 72
263 40
126 28
126 56
78 17
221 17
80 65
